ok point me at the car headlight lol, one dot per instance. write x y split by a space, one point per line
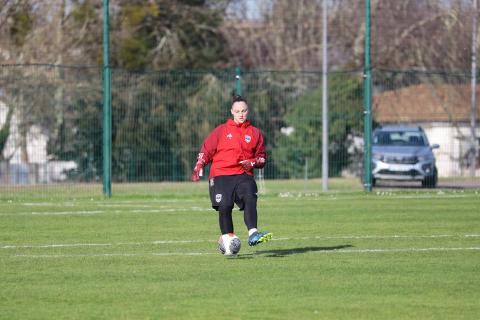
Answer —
377 156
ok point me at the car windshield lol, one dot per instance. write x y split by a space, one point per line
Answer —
399 138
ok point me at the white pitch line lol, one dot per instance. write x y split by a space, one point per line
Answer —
77 255
103 203
395 250
167 254
165 210
49 204
377 196
72 245
180 241
59 213
168 210
157 242
304 196
158 254
29 246
380 237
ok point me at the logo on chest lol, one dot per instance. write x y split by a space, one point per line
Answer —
229 136
248 138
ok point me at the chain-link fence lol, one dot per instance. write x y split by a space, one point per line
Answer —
51 122
441 104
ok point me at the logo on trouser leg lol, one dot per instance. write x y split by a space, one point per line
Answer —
218 197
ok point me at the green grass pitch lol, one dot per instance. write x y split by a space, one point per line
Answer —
150 253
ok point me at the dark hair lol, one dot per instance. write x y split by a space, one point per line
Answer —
238 98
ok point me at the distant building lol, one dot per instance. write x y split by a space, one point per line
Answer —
444 113
37 168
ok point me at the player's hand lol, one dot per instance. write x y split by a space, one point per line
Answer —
248 164
259 162
197 171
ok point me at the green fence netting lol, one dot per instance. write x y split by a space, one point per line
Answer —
51 122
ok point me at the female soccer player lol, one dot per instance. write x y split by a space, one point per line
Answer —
234 149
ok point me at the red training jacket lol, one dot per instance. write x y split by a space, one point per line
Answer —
230 143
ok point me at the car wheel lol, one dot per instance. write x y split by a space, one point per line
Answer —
431 182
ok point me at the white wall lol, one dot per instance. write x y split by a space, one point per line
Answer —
36 141
38 169
454 143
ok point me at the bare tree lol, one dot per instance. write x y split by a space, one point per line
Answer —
281 38
45 33
418 34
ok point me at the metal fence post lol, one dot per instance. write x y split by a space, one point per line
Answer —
324 99
367 100
473 106
107 106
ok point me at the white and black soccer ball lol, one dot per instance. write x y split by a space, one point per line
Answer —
229 244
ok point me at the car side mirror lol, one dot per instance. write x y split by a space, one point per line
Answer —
435 146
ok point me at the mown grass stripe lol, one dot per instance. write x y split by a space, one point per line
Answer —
353 237
354 251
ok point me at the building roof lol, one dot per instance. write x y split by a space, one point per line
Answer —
397 127
425 103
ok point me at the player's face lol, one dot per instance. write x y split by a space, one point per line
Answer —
239 112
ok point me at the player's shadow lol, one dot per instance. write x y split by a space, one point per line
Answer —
279 253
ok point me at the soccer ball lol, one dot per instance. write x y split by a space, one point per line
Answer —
229 244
